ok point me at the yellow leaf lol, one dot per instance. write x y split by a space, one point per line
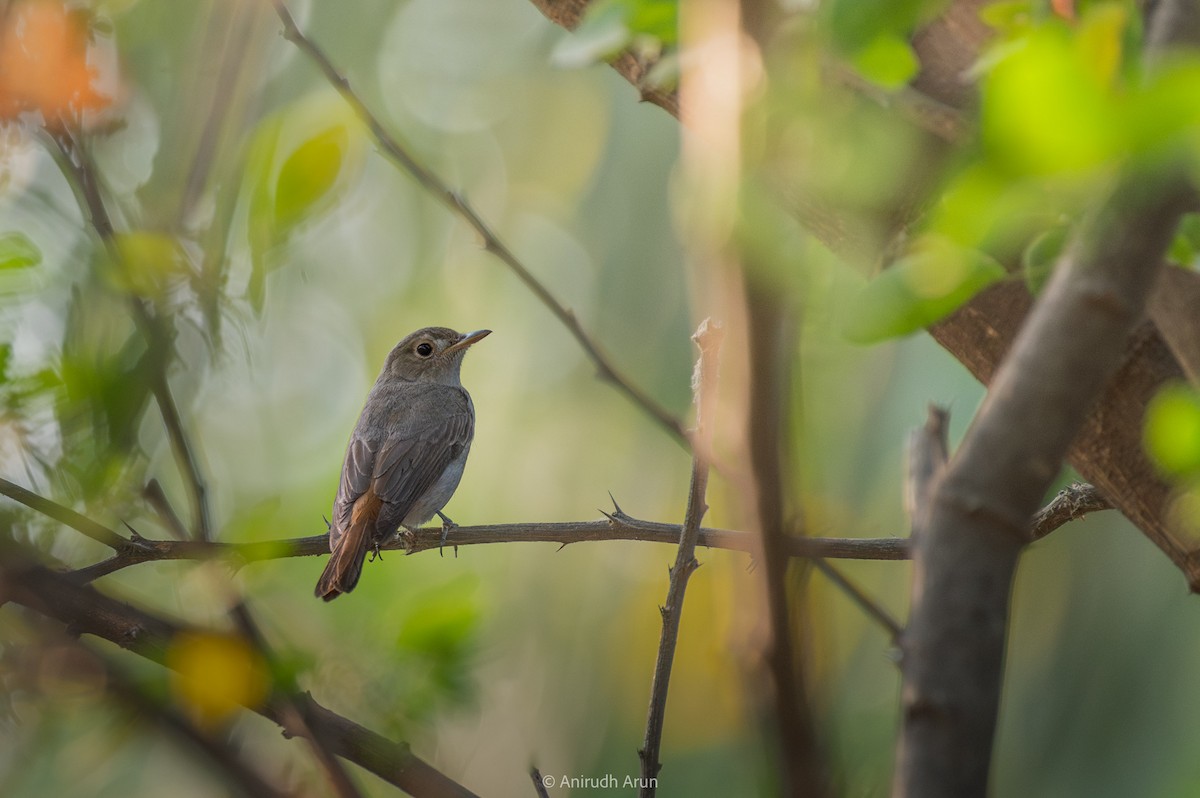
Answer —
147 262
215 675
1100 40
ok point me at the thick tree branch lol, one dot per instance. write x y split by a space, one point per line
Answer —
966 550
708 339
85 611
457 204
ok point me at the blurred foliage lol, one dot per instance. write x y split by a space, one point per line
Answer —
918 290
1172 439
18 252
610 26
1173 431
283 257
215 675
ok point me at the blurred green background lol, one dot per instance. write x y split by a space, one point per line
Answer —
501 656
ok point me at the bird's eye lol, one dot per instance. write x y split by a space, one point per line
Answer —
424 349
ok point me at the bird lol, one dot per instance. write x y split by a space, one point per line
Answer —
406 453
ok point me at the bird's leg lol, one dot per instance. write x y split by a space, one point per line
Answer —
376 552
447 525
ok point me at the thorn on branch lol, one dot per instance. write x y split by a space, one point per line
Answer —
134 535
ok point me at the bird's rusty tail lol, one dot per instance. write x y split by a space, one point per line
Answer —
346 560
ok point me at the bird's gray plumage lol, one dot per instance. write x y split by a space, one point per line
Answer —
406 454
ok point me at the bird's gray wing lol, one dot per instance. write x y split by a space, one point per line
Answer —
412 458
356 478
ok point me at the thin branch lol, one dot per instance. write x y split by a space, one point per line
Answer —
185 453
868 605
457 204
64 515
708 339
293 717
1072 502
157 499
85 611
228 761
928 451
539 783
83 177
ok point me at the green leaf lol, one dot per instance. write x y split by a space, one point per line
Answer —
5 359
148 262
655 18
919 290
1008 16
1186 244
308 174
1040 256
855 23
888 61
1172 432
610 26
18 252
1047 111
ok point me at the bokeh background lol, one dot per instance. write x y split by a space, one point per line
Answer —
493 658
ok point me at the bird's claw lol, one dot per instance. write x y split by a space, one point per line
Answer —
447 526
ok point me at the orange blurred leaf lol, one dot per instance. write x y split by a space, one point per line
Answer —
43 62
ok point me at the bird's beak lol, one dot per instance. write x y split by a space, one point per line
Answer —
467 340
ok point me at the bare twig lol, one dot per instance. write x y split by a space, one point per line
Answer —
928 451
64 515
457 204
86 611
708 339
158 501
867 604
290 710
76 166
539 785
1072 502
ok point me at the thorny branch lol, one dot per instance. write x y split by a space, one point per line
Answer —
708 339
1073 502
